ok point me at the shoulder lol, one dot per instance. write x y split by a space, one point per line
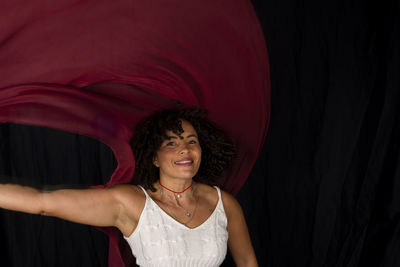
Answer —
130 196
126 190
231 205
207 192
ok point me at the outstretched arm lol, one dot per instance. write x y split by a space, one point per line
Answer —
97 207
239 239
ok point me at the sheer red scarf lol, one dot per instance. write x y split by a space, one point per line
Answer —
97 67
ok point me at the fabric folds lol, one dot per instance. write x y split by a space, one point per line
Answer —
97 67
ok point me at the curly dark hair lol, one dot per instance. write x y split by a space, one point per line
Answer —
217 151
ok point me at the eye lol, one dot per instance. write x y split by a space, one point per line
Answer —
192 142
170 143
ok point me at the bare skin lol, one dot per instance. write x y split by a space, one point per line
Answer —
121 205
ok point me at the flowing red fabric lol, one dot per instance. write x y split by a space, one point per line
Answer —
97 67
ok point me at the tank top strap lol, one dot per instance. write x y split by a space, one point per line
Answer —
144 190
219 193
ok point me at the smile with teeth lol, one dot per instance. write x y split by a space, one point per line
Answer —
184 162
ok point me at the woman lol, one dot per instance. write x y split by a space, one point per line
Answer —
174 217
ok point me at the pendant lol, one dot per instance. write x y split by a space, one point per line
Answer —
178 196
187 214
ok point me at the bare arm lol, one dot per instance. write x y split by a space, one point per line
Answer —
97 207
20 198
239 239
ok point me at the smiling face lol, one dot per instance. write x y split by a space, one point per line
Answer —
179 157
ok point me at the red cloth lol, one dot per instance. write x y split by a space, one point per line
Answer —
97 67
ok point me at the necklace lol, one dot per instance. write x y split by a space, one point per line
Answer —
178 194
187 213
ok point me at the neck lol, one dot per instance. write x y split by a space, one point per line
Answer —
176 187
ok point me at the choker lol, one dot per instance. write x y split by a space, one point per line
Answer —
178 194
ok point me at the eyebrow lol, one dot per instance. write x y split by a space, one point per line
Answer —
169 137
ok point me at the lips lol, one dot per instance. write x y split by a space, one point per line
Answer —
184 162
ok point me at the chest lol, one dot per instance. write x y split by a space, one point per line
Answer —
159 237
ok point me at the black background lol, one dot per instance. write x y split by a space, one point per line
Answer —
325 188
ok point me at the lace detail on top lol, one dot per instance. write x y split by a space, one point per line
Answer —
160 240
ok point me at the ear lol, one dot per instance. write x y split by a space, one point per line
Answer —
155 162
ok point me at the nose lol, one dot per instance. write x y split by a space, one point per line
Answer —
184 149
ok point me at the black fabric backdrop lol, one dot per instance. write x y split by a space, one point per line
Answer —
325 189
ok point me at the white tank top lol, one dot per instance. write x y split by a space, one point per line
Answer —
160 240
